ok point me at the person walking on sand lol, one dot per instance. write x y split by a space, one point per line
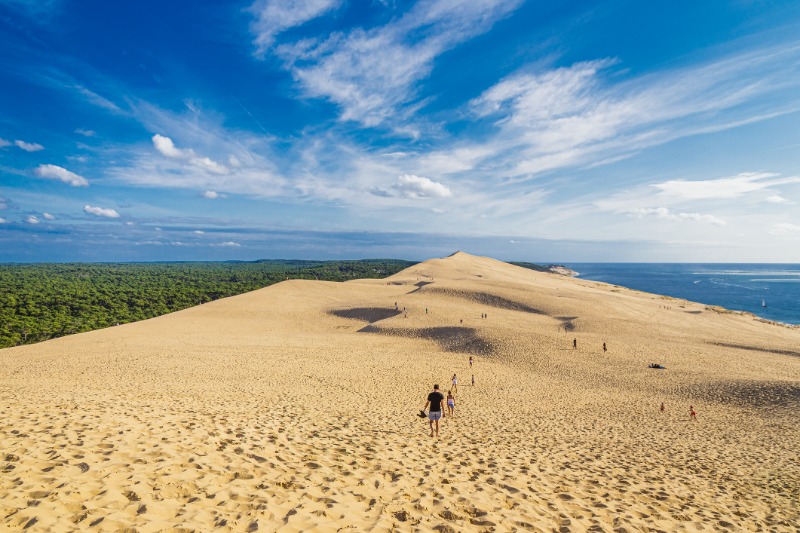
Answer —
473 380
435 400
604 348
470 361
662 407
692 413
574 344
451 404
455 384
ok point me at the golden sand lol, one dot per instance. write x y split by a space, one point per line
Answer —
293 408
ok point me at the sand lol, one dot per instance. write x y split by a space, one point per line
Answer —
293 408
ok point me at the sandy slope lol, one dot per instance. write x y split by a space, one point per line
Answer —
293 408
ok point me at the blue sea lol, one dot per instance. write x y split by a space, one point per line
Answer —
741 287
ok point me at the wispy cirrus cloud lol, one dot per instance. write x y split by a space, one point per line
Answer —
587 113
784 228
55 172
666 214
723 188
276 16
371 74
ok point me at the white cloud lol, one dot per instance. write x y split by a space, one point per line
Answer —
30 219
162 243
209 165
48 216
2 220
211 195
198 232
370 74
229 244
726 188
55 172
784 228
101 212
167 148
666 214
587 114
28 147
276 16
4 143
411 186
777 199
86 133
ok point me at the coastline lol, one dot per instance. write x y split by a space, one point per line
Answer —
735 287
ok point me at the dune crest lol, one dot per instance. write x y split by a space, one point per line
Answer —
293 408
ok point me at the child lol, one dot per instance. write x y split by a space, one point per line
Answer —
451 403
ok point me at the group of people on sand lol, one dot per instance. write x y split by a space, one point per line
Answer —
692 412
436 401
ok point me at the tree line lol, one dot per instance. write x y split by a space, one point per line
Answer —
47 300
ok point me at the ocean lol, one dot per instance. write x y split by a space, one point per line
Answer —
741 287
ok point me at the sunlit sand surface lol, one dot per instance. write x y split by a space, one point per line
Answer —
293 408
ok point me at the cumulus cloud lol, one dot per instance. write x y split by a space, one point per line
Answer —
2 220
4 143
48 216
211 195
276 16
100 212
30 219
666 214
199 232
86 133
784 228
28 147
167 148
229 244
55 172
411 186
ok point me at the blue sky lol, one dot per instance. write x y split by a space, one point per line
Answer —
534 131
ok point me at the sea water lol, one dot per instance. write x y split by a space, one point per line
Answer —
770 291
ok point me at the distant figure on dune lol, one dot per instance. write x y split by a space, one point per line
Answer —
470 361
435 400
662 407
451 403
604 348
692 413
473 380
455 384
574 344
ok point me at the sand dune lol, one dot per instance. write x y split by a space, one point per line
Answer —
293 408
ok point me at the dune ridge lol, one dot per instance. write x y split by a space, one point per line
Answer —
292 408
